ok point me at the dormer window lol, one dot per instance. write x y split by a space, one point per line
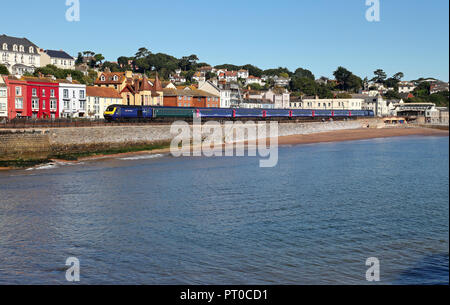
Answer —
116 78
102 78
5 47
21 49
31 50
15 48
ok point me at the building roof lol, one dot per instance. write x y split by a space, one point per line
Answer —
109 78
58 54
102 92
10 41
191 92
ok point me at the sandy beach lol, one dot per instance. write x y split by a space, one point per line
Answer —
359 134
324 137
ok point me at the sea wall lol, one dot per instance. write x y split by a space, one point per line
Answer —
30 144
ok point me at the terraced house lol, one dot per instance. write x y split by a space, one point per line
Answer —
19 55
72 98
32 97
3 99
100 98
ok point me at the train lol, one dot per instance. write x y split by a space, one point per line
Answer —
148 113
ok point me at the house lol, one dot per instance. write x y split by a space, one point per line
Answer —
190 98
406 87
225 94
438 87
229 76
141 92
32 97
3 99
199 76
100 98
279 97
115 80
244 74
60 59
377 104
281 81
19 55
254 80
72 98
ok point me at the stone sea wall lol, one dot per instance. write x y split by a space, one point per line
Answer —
29 144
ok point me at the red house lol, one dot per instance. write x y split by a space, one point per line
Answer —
32 97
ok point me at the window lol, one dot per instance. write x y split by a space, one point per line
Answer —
31 50
180 97
19 103
52 93
53 104
82 96
5 56
43 92
5 47
44 106
19 91
2 106
2 93
102 78
34 104
66 93
116 78
34 91
15 48
21 49
66 105
82 105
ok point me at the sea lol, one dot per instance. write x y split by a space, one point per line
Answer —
318 217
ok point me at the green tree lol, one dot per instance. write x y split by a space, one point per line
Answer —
4 70
380 76
303 73
142 52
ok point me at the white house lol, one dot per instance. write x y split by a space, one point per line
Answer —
281 81
254 80
3 99
60 59
19 55
244 74
72 99
406 87
280 98
225 94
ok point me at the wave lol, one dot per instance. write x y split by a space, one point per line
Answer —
145 157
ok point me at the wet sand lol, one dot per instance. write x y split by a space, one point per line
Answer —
359 134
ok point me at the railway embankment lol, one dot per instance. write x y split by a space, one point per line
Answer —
24 147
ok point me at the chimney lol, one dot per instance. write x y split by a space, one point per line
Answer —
107 70
69 77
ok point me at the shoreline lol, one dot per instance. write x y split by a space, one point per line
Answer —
313 138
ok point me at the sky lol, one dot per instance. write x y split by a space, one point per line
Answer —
412 36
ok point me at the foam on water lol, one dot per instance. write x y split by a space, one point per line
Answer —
144 157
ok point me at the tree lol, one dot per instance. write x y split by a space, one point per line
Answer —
252 70
98 58
4 70
303 73
305 85
79 59
342 76
380 76
141 53
392 95
398 76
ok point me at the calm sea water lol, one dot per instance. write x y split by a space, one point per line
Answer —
314 219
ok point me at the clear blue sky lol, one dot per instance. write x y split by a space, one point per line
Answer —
412 36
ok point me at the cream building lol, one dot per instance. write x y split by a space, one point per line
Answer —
330 104
60 59
100 98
